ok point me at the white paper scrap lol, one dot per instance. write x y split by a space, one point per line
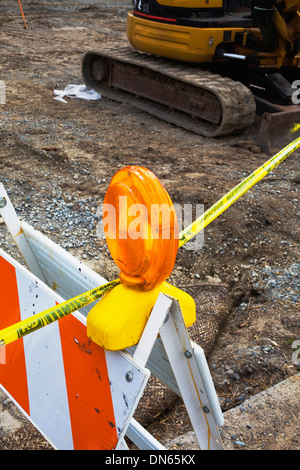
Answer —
76 91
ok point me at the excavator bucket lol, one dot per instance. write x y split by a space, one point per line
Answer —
279 129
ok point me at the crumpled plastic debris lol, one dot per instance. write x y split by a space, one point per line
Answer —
76 91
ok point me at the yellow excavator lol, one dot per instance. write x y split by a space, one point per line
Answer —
209 66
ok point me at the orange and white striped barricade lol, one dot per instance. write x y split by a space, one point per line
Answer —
78 395
164 348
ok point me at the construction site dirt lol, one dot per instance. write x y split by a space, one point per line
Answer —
57 159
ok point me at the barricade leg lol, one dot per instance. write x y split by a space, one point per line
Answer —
190 383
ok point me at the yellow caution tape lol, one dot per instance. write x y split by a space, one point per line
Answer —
46 317
24 327
295 128
229 198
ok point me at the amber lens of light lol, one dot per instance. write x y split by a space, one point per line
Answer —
141 227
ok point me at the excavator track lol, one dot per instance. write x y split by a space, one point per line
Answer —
191 98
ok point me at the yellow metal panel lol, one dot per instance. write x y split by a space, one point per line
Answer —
118 321
181 43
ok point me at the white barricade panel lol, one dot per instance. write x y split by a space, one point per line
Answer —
65 274
78 395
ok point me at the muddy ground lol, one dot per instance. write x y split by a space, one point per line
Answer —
56 160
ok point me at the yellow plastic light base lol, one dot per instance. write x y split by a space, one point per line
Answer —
118 320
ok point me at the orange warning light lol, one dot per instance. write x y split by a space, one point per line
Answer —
141 227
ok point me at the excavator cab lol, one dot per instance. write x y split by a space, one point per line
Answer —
264 33
256 42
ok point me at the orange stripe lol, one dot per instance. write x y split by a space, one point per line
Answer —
89 394
13 373
25 25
